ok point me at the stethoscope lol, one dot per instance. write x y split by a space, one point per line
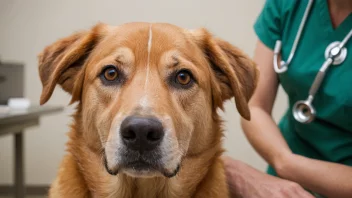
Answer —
303 110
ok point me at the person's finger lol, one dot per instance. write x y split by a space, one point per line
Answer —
303 193
294 190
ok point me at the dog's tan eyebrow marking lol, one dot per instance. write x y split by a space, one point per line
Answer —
124 56
175 61
170 61
119 59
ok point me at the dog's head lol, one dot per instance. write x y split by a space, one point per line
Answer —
148 93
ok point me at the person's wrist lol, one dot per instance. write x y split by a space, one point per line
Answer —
283 162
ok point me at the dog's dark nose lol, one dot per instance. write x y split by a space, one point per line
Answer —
142 134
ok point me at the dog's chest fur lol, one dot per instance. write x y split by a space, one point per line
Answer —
141 188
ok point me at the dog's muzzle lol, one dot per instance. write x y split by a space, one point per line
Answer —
141 151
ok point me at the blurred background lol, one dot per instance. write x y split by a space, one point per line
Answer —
26 27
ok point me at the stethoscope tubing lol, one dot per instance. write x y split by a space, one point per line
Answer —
345 40
284 64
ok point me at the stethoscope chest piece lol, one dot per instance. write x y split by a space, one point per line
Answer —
303 111
338 53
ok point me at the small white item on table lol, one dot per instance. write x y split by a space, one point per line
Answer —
18 103
4 109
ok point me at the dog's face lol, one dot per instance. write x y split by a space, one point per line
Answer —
148 93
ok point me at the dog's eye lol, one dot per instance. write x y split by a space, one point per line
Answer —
183 77
111 73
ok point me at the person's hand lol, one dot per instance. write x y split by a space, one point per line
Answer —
245 181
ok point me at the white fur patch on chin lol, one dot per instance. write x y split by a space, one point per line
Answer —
142 174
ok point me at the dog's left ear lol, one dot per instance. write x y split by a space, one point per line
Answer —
236 75
62 62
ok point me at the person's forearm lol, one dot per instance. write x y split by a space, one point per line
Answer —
326 178
329 179
264 135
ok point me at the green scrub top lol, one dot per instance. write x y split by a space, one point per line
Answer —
329 136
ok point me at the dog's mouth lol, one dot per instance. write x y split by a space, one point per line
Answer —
142 168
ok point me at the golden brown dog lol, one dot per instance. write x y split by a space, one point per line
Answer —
146 123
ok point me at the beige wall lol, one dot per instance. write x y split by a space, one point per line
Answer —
27 26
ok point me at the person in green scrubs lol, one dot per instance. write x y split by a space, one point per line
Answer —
318 155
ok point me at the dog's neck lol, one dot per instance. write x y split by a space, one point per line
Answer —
193 171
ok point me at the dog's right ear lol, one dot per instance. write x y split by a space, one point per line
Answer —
62 62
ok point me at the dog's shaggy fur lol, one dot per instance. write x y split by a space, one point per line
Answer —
146 56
